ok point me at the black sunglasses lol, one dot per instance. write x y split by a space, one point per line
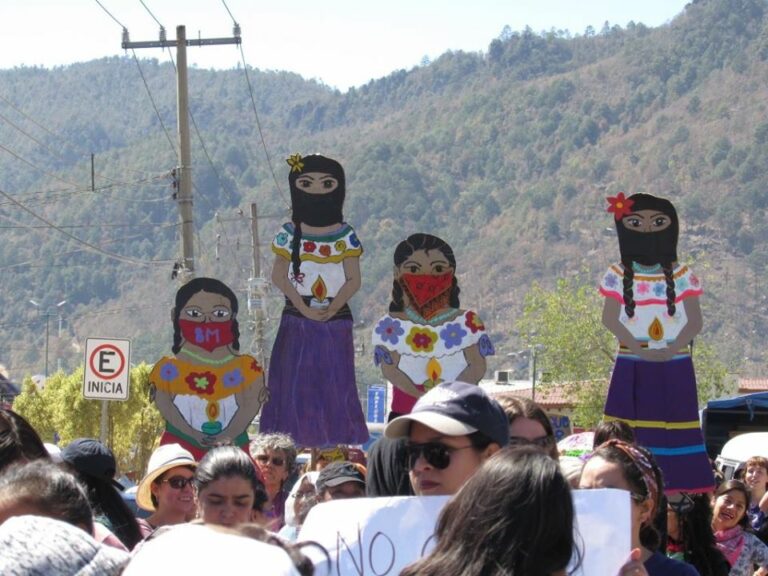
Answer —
276 460
436 454
178 482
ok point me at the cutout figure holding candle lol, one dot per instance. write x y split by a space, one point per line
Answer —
426 338
317 266
207 392
652 307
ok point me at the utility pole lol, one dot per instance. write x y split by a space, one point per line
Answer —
184 193
257 290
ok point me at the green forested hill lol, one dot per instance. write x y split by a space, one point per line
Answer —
507 154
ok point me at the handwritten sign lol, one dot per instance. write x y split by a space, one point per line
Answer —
381 536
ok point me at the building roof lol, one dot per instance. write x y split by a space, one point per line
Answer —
549 397
753 385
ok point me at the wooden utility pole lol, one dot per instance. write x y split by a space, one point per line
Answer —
184 170
257 291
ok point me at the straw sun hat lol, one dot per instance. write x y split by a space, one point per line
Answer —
163 459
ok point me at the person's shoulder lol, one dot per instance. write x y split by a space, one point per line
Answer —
660 565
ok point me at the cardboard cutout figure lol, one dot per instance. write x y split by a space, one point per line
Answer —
652 307
317 267
207 392
426 338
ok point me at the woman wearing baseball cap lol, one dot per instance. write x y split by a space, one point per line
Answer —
451 431
167 489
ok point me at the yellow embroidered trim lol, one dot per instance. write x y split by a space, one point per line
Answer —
641 277
655 423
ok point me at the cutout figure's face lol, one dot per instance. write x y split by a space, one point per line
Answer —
207 307
647 221
430 262
317 183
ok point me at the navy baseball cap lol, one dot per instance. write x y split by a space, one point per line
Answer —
91 458
455 409
338 473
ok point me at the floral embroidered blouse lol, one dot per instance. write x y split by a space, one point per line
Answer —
429 355
652 322
204 394
322 257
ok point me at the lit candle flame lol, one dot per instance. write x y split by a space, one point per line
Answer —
212 411
656 330
319 289
434 370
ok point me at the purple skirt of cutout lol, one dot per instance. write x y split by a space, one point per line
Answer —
313 396
654 397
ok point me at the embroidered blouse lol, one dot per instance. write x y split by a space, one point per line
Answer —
429 355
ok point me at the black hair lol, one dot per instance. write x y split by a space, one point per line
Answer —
617 429
649 535
736 486
698 540
50 490
225 462
667 254
302 563
425 242
18 439
480 532
106 501
212 286
301 213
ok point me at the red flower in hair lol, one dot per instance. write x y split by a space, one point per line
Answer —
619 205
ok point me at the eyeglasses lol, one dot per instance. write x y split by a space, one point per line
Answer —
436 454
276 460
541 442
178 482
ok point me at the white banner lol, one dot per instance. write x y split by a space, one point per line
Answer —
381 536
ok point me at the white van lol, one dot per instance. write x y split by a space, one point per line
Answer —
738 450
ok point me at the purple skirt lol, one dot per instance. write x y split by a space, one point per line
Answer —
658 399
313 396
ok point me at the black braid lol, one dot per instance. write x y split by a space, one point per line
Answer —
296 250
454 298
671 295
397 304
629 297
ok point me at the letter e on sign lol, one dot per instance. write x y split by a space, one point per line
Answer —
107 374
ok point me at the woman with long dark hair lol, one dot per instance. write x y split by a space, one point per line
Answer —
514 517
689 536
427 338
313 394
652 307
207 392
622 466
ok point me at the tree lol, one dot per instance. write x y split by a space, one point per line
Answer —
59 412
576 348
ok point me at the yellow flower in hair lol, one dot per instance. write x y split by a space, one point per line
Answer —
294 161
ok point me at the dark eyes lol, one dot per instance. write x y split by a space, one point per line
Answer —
194 313
439 269
660 221
328 184
221 313
304 183
412 269
634 222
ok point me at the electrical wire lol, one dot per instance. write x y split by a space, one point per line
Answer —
33 165
152 100
110 15
256 113
90 246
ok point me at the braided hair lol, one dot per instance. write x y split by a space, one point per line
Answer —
649 248
315 210
424 242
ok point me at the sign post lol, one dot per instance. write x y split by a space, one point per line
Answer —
107 374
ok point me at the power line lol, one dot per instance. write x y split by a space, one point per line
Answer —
110 14
33 165
255 111
151 99
80 241
162 28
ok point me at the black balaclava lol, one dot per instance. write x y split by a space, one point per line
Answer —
649 248
317 209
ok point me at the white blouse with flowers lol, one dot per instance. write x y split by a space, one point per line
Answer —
652 322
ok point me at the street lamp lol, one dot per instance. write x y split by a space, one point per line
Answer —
48 315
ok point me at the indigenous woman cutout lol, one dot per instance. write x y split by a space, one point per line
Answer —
317 267
207 392
652 307
426 338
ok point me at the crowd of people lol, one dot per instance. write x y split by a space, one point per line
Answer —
510 510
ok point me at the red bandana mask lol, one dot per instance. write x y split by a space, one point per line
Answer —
207 335
423 288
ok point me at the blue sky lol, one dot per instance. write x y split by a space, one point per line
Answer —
340 42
